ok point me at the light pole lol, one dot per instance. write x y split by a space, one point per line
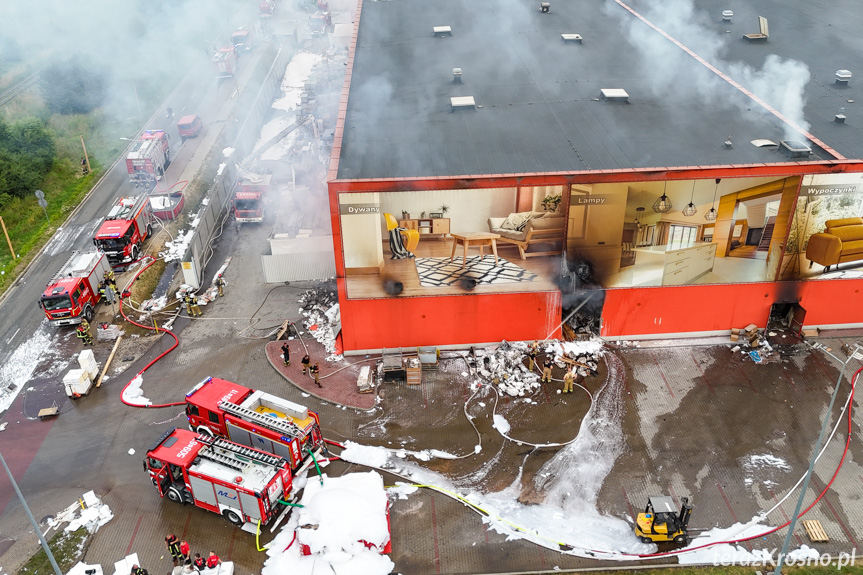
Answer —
86 157
812 463
32 519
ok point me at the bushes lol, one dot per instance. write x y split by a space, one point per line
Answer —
26 156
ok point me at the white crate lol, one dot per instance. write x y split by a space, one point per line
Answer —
88 363
76 382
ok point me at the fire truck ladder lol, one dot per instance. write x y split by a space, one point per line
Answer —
278 425
230 453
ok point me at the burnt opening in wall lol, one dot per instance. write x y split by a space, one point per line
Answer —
786 316
582 302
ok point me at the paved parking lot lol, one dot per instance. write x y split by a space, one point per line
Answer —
684 421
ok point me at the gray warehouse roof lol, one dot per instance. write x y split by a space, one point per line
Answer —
538 105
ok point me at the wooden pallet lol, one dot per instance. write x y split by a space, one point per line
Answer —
815 531
414 376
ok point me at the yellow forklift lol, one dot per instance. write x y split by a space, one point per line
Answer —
661 521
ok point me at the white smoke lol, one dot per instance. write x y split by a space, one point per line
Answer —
779 82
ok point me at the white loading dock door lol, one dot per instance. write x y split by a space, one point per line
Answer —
298 259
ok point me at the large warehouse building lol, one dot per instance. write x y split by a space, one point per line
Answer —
687 169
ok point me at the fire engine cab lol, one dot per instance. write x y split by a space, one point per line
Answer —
244 485
255 419
74 291
125 228
148 158
248 199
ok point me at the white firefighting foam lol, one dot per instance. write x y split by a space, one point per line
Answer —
20 366
571 482
343 525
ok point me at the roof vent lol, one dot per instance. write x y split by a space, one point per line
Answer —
545 7
727 15
614 95
795 148
442 31
462 103
456 75
843 76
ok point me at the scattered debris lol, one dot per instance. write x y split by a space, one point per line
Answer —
320 307
506 366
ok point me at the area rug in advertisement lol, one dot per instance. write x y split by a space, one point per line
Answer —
438 272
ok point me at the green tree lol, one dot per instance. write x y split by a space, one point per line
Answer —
26 156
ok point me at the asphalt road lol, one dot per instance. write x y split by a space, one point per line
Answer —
33 354
199 93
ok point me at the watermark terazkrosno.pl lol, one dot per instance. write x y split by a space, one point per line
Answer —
772 558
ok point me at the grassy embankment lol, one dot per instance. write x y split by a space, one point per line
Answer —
67 549
28 226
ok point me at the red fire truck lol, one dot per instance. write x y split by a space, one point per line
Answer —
149 157
243 38
256 419
244 485
74 291
267 7
225 61
249 198
127 225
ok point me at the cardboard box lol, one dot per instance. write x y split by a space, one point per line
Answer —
750 327
813 332
735 331
734 337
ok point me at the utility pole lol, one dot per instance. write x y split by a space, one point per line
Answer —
86 157
8 241
32 520
137 101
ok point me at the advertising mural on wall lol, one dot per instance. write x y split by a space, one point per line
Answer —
826 236
681 232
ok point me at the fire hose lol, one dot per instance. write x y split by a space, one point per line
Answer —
613 554
123 296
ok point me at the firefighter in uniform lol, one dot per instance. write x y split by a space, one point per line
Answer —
568 379
191 304
306 361
83 333
184 552
199 562
220 283
286 353
136 570
111 280
102 290
532 351
173 545
546 370
315 371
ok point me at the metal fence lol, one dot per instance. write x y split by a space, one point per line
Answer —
250 111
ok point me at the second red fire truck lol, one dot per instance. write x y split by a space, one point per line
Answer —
125 228
255 419
148 159
74 291
249 198
243 485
